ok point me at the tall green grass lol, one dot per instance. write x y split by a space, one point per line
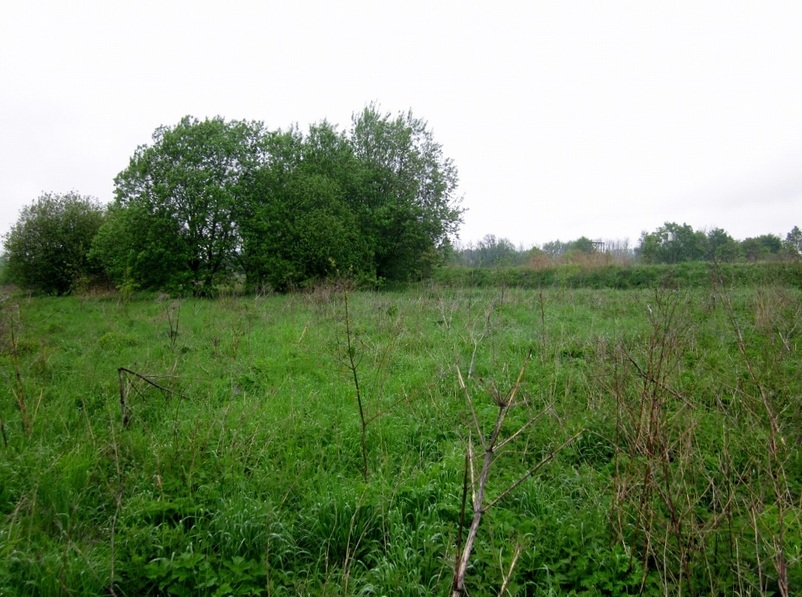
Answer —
246 476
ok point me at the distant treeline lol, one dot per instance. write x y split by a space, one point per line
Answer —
670 244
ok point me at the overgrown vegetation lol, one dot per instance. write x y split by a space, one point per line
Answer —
230 206
229 203
621 277
238 463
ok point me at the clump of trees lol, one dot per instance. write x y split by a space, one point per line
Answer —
210 200
490 252
213 202
675 243
216 202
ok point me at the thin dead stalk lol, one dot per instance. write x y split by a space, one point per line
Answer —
506 577
775 463
477 339
19 389
491 446
352 364
173 316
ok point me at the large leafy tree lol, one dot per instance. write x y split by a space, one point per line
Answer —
721 246
263 213
555 248
297 223
48 247
761 247
406 200
672 243
492 252
186 185
793 242
140 248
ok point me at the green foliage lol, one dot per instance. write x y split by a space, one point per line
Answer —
721 247
557 248
582 245
296 222
622 277
406 190
761 247
47 249
793 242
672 243
212 200
177 199
493 252
490 252
140 249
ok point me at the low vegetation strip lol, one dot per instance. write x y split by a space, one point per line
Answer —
681 275
649 443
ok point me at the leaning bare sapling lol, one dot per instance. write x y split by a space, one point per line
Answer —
492 447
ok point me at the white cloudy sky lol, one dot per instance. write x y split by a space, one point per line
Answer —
564 118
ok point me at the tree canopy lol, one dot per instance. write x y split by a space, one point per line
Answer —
405 194
793 242
674 243
218 201
214 199
175 203
47 249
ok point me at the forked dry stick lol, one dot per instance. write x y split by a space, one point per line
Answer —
491 446
121 371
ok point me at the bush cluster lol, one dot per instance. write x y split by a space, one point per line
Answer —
218 202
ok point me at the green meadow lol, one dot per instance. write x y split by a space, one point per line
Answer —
332 442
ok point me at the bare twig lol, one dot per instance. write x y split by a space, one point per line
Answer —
3 430
173 315
506 577
534 469
353 366
477 426
654 381
491 446
461 527
121 371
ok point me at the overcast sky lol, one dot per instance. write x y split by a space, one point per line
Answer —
565 119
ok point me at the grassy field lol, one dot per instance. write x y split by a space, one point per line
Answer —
199 447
